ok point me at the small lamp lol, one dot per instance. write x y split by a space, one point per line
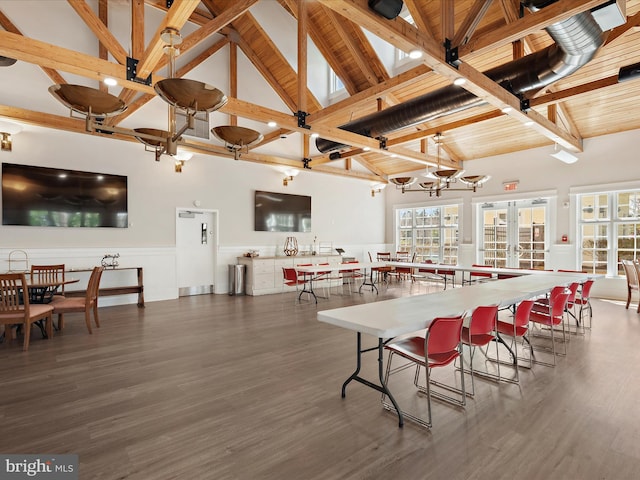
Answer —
7 129
290 175
377 188
180 159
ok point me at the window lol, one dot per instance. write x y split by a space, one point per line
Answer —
609 229
429 232
335 84
401 55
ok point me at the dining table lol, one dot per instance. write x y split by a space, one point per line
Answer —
388 319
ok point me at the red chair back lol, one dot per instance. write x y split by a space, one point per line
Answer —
443 339
558 305
483 320
290 274
521 318
480 274
573 290
586 291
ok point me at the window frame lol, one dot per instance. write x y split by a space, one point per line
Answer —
612 223
447 252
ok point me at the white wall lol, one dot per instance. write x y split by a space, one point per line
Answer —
343 211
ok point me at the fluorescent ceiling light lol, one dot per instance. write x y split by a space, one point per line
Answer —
564 156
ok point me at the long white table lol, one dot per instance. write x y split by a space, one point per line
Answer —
390 318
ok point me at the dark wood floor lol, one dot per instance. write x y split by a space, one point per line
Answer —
219 387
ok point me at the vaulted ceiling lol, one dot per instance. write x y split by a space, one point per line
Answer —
85 41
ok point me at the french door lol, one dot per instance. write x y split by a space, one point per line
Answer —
514 234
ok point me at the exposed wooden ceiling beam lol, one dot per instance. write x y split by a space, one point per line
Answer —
263 114
403 35
617 32
50 72
100 30
419 19
137 28
416 74
574 92
59 58
213 26
176 17
444 127
470 23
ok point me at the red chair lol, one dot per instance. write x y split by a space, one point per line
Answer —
291 279
351 275
476 276
480 333
542 304
402 273
434 275
583 302
381 271
551 319
440 346
517 329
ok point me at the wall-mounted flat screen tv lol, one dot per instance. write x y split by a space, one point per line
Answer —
282 212
53 197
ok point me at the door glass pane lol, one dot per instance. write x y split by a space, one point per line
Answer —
495 237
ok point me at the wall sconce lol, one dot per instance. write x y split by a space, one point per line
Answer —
181 158
377 188
7 129
290 175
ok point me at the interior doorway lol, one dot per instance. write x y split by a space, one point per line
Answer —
196 251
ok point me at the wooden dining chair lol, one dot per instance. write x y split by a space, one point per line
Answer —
632 281
15 308
86 304
46 274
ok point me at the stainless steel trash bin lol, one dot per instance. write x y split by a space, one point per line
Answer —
236 280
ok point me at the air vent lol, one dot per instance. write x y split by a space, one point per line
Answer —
200 125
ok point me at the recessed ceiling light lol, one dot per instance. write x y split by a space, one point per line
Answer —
460 81
112 82
272 124
415 54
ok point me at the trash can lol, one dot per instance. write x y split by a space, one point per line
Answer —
236 280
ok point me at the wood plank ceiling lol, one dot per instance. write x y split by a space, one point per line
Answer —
488 33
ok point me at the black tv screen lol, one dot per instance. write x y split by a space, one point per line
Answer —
53 197
282 212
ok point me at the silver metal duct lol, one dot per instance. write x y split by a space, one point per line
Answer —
577 40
